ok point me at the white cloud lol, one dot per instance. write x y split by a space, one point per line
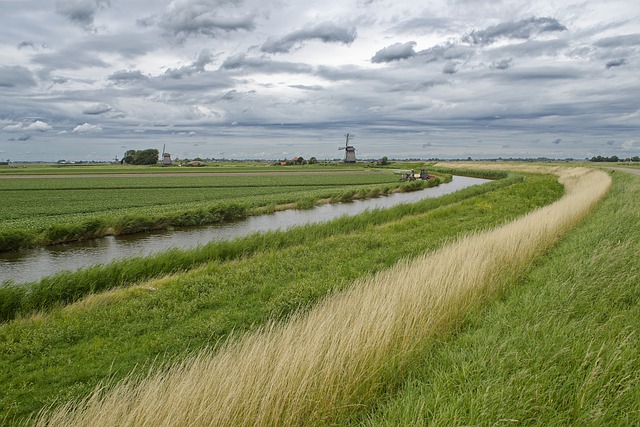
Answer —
87 128
13 128
38 126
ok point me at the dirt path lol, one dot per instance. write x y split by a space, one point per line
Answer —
636 171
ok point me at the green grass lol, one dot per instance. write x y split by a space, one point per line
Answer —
64 354
560 347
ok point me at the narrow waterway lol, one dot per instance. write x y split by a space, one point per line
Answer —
34 264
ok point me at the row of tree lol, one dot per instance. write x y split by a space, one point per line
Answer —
614 159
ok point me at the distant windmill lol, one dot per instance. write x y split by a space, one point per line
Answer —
166 157
349 151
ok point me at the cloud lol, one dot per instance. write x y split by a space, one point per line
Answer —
26 44
395 52
16 76
127 76
306 87
447 51
611 142
450 68
24 138
263 63
327 32
503 64
87 128
205 57
37 126
203 18
72 59
557 141
619 41
13 128
97 109
524 29
629 144
81 12
616 63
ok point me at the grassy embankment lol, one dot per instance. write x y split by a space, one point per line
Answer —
352 347
561 347
39 211
65 353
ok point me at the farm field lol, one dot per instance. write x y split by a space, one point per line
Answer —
38 210
554 342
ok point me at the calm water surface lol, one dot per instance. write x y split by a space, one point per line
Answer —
33 264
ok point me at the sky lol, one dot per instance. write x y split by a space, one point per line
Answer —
87 80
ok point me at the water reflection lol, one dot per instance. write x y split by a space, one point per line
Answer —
33 264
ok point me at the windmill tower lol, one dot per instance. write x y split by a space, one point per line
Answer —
166 157
349 151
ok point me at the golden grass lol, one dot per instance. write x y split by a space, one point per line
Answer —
345 351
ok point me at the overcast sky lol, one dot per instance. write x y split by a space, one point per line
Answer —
90 79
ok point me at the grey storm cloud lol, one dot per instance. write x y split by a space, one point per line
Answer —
264 64
616 63
97 109
81 11
447 52
205 57
26 44
524 29
16 76
204 18
450 68
618 41
503 64
125 76
327 32
395 52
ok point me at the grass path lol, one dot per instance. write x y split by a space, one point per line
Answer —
350 348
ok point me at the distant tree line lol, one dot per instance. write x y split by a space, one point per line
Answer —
141 157
614 159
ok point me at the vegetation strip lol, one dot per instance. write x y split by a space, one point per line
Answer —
109 335
322 364
560 348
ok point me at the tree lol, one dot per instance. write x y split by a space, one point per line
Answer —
141 157
313 161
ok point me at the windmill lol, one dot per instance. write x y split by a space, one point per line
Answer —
166 157
349 151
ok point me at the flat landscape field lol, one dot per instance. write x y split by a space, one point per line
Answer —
517 300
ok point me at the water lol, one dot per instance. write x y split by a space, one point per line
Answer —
34 264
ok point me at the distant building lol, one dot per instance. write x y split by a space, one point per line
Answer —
166 159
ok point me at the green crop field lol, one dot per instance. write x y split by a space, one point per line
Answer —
44 210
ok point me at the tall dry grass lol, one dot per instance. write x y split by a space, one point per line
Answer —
343 353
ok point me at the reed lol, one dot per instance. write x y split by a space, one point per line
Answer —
340 355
